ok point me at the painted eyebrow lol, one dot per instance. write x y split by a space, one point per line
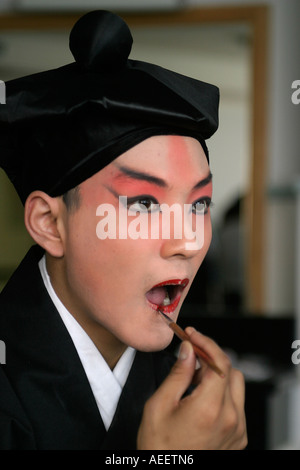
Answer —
139 175
203 182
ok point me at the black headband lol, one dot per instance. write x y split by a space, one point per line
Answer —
60 127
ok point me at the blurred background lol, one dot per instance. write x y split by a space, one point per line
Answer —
246 292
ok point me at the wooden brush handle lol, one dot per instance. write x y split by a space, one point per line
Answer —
198 351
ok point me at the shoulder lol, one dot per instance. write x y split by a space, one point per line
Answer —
24 274
21 295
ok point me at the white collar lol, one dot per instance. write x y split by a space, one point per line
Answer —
106 384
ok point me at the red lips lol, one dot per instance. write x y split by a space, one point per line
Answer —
166 295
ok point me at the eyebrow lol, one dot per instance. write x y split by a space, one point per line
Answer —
139 175
203 182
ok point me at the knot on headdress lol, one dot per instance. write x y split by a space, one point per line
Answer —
100 40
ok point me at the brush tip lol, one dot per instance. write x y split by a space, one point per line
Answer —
164 315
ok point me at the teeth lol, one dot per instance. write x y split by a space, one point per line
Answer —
167 300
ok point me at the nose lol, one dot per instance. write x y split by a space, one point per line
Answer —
178 248
188 243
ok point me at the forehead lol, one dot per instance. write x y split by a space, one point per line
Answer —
166 154
175 160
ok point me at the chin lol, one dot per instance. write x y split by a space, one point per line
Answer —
157 344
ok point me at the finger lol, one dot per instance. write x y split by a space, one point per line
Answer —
237 387
236 420
179 379
201 366
212 389
212 350
225 397
205 343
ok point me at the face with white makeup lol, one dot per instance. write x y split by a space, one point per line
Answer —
112 286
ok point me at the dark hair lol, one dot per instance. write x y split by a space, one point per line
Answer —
72 199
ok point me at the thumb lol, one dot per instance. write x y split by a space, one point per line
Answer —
181 375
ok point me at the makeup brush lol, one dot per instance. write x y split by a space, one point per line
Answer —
198 351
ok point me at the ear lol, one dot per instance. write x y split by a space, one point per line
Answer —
43 220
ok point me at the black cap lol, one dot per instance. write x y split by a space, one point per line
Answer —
61 126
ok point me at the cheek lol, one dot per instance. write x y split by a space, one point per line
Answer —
99 265
81 242
208 230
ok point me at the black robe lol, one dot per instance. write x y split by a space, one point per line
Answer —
45 399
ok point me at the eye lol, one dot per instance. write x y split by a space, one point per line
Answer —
201 206
142 204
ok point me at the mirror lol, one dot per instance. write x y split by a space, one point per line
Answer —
224 46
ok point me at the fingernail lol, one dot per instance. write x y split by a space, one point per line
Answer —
190 329
185 350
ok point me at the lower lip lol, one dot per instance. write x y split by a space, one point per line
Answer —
165 308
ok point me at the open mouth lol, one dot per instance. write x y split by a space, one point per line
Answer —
166 295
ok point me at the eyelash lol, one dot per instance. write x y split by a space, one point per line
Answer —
145 199
204 200
141 200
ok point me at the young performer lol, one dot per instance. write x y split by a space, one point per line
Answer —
97 150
